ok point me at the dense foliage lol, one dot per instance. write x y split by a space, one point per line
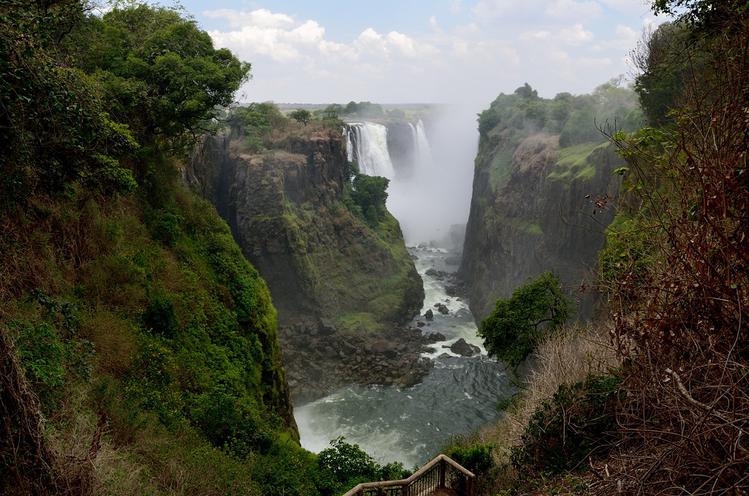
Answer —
516 325
158 71
568 429
147 337
362 109
256 123
576 119
676 262
477 457
369 194
54 124
302 116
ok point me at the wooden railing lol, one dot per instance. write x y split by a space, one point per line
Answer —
441 473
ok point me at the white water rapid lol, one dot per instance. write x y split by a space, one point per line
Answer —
411 425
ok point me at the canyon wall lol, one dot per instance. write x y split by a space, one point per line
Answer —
537 207
338 282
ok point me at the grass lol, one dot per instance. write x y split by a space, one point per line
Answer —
574 163
500 168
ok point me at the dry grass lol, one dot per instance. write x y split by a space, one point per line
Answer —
566 357
115 339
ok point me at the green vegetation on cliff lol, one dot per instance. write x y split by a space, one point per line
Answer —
138 346
658 417
317 230
576 119
543 183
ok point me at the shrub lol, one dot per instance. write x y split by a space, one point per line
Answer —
159 316
302 116
567 429
477 457
232 423
42 355
166 227
347 463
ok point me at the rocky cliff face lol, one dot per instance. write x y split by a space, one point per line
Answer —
402 147
333 278
536 207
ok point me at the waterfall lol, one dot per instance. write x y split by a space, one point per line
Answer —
423 149
366 142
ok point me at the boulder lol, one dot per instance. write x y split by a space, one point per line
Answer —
437 274
441 308
429 315
462 348
434 337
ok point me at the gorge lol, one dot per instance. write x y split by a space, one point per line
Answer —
368 355
203 292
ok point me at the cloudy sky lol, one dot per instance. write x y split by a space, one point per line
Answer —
447 51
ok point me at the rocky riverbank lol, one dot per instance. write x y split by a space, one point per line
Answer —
319 359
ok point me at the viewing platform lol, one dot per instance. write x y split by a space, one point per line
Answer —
442 476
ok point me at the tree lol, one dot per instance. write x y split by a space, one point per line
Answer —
256 122
516 325
54 126
370 194
302 116
347 462
663 70
526 91
159 71
705 15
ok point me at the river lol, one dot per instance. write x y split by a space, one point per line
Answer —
411 425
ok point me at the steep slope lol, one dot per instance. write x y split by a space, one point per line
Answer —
536 206
152 321
338 282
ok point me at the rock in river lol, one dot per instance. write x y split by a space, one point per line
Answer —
461 347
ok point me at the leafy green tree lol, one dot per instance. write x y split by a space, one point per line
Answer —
53 125
516 325
347 463
370 194
663 70
302 116
159 71
255 122
526 91
703 14
364 109
475 457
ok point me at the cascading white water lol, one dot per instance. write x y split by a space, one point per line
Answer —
423 148
367 143
349 144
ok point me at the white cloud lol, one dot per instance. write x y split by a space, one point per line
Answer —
260 18
297 60
570 35
571 9
631 7
488 10
575 35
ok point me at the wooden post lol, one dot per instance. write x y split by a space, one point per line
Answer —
442 474
406 490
